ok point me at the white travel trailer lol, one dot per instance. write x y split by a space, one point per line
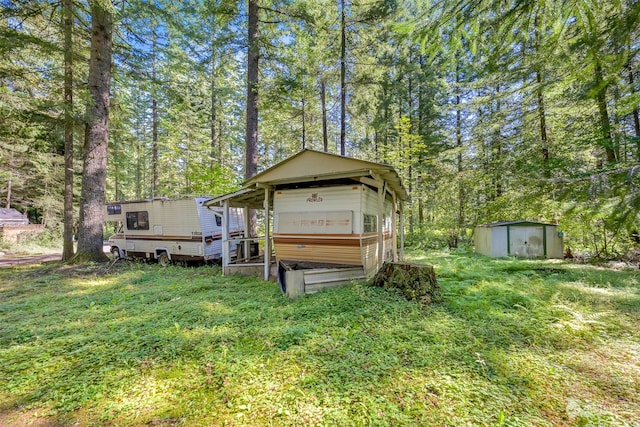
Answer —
334 224
170 229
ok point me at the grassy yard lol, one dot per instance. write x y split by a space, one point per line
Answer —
514 343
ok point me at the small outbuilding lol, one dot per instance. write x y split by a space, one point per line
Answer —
15 227
525 239
12 216
328 219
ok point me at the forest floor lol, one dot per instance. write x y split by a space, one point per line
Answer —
515 342
33 255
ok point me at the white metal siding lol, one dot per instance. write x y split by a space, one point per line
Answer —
499 242
319 200
315 222
482 240
555 243
180 219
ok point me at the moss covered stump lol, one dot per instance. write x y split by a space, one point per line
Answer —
416 282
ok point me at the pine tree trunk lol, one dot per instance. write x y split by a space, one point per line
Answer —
9 183
323 101
214 116
251 137
214 111
343 75
94 171
304 129
636 116
67 235
497 149
461 194
154 126
542 117
605 124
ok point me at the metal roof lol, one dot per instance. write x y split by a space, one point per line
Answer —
516 222
310 166
12 215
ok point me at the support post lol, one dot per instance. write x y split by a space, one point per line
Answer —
381 190
247 227
225 235
267 235
401 231
394 227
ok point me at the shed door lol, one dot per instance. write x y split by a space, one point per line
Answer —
527 242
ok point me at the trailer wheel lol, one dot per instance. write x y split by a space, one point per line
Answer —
115 253
163 259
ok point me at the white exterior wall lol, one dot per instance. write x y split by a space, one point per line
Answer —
316 206
499 242
320 203
482 240
172 225
492 241
555 243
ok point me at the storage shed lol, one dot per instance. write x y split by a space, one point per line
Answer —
10 216
526 239
15 226
334 219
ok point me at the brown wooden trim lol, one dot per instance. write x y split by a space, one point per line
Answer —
318 242
318 235
155 237
387 235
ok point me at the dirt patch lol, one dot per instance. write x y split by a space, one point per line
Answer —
82 270
10 260
29 418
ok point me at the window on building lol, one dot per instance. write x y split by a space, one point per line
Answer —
370 224
218 221
138 220
114 209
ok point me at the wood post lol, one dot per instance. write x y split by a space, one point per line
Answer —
381 190
247 227
267 236
226 253
394 227
401 231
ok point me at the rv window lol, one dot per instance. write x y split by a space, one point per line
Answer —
138 220
218 221
114 209
370 224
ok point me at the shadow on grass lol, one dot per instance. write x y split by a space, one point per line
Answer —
149 342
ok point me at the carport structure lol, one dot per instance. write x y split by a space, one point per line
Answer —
353 211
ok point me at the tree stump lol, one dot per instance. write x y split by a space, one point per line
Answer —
416 282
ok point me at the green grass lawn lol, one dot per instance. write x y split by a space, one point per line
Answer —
513 343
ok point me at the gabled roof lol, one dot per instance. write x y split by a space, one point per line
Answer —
312 166
11 215
516 222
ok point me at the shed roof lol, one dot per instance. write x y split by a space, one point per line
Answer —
10 213
516 222
310 166
12 216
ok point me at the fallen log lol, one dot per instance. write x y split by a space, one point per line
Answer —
416 282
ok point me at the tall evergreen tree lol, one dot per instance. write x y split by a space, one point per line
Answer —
94 171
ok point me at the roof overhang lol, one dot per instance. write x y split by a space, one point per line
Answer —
309 166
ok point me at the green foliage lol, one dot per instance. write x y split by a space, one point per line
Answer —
514 342
488 110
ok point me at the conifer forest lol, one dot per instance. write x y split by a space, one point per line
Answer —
489 110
